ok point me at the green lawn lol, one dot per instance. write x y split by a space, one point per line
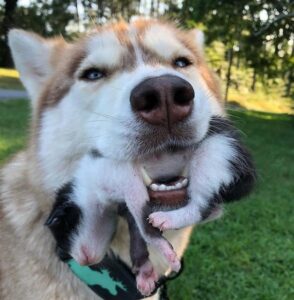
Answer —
14 117
249 254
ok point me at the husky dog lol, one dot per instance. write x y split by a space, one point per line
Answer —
220 169
127 91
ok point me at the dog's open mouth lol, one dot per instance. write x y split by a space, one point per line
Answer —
170 191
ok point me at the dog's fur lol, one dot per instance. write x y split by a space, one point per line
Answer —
70 117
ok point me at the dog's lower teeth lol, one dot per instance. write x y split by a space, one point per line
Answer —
163 187
154 187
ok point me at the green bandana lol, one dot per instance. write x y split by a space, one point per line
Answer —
112 279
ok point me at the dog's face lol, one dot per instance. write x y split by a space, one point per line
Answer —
127 91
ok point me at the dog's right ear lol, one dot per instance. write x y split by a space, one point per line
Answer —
33 59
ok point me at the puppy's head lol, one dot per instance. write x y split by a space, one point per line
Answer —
82 233
125 90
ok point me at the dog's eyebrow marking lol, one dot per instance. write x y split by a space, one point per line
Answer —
167 47
138 54
95 153
103 48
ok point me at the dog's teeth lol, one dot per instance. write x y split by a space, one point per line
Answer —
185 172
162 187
185 182
147 180
154 187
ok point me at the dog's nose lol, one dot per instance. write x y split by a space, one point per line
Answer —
163 100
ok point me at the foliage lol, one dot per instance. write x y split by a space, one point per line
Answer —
254 34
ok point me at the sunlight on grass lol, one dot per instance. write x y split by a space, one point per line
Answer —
9 79
9 73
261 101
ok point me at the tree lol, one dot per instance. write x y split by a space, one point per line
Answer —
6 23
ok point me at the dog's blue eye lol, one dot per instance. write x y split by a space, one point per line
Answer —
92 74
182 62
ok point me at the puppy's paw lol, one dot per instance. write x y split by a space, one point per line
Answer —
146 279
174 262
160 220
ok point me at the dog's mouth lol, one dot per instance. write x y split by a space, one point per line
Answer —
167 191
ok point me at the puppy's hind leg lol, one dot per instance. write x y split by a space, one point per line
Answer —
146 276
137 199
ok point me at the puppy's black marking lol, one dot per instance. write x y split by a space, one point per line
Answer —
244 176
63 220
242 167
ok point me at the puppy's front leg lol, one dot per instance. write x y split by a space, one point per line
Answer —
178 218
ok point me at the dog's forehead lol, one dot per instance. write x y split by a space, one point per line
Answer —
122 47
152 40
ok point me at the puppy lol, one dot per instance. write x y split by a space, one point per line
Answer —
220 169
98 185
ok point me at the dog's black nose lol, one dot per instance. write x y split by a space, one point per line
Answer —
164 100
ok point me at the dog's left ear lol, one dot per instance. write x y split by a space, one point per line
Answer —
33 58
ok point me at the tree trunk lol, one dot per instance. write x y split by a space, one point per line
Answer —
253 80
289 85
78 15
152 8
100 4
228 76
7 23
238 60
288 88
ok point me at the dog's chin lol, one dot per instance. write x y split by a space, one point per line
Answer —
149 139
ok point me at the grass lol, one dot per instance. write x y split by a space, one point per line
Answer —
13 126
249 253
9 79
262 100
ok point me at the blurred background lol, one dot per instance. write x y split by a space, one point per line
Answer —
249 254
